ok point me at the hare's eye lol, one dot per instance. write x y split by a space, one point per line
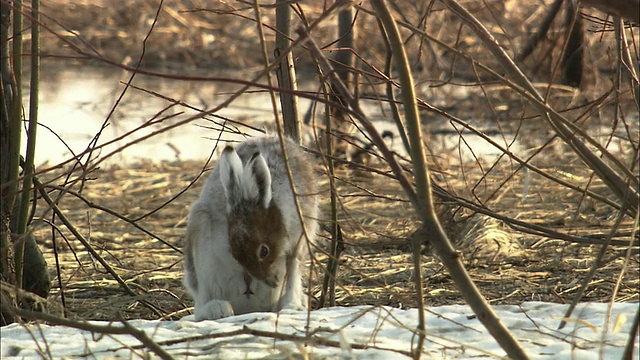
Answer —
263 251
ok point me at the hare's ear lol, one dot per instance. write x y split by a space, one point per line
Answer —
231 176
256 181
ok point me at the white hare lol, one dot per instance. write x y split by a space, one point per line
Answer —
245 242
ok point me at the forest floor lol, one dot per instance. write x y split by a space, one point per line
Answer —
375 268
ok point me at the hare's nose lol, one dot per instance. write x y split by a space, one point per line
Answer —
271 280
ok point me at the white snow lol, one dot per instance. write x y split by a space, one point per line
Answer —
362 332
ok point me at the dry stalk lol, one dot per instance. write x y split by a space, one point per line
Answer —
246 84
527 90
88 246
329 281
336 248
633 337
34 92
521 162
91 147
115 214
597 261
16 119
397 117
633 333
144 339
265 59
286 71
431 226
125 329
431 229
619 185
424 206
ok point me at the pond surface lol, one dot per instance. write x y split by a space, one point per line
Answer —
77 101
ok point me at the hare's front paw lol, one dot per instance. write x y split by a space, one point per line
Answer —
294 302
295 306
213 310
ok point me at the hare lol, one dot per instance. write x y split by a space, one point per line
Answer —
245 240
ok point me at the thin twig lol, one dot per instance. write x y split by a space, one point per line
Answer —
425 206
614 293
115 214
88 246
144 339
541 31
16 125
125 329
485 314
633 337
388 66
286 72
619 185
357 112
597 261
528 91
91 146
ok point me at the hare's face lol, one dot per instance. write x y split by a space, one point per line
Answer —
256 239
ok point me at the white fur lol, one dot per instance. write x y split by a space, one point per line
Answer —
230 167
257 166
212 275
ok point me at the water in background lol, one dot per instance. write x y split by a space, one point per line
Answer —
76 103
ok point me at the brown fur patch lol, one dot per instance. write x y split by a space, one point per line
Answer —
251 228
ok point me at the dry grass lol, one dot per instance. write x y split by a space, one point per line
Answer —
203 34
374 269
188 34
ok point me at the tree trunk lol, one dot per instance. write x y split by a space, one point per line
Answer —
7 270
35 275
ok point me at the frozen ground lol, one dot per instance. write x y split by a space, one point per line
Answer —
355 332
